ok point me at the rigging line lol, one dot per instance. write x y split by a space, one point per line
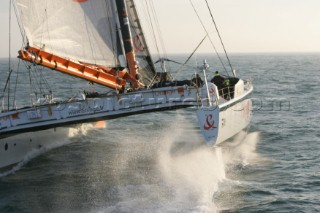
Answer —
225 51
22 31
158 28
42 80
10 70
162 43
47 84
172 61
147 20
153 32
16 84
215 49
28 67
32 85
5 88
191 55
36 85
195 50
38 76
30 81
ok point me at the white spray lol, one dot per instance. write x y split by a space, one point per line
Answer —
195 175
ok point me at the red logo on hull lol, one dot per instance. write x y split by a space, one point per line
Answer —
209 123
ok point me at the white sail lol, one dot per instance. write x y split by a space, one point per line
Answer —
81 30
146 68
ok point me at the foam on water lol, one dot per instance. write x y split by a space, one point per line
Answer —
242 149
197 174
188 174
194 175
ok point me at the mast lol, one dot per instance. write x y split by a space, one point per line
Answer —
127 39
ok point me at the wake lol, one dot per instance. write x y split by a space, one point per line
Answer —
175 171
197 173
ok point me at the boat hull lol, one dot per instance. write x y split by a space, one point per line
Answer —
32 130
21 147
26 132
233 119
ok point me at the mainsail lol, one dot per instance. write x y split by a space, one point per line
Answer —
146 68
81 30
81 38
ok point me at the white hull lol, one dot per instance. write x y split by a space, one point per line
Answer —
27 131
233 119
32 129
20 147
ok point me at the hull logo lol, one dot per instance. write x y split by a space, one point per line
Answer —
209 123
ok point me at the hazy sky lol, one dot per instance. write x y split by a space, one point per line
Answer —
245 25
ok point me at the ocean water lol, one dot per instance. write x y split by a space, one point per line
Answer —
158 162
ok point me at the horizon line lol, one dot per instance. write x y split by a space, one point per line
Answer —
233 53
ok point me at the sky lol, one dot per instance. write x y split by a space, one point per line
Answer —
246 26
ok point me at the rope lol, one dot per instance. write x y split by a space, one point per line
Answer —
158 29
15 88
169 60
159 32
10 70
195 50
30 81
208 36
153 31
144 10
191 55
225 51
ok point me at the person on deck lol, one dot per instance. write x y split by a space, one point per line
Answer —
222 84
218 80
196 81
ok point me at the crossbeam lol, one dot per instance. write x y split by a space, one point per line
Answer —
110 77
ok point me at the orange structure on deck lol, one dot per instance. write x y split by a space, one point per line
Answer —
110 77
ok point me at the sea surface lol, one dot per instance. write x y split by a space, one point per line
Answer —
158 162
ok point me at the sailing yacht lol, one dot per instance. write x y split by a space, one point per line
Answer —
102 42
